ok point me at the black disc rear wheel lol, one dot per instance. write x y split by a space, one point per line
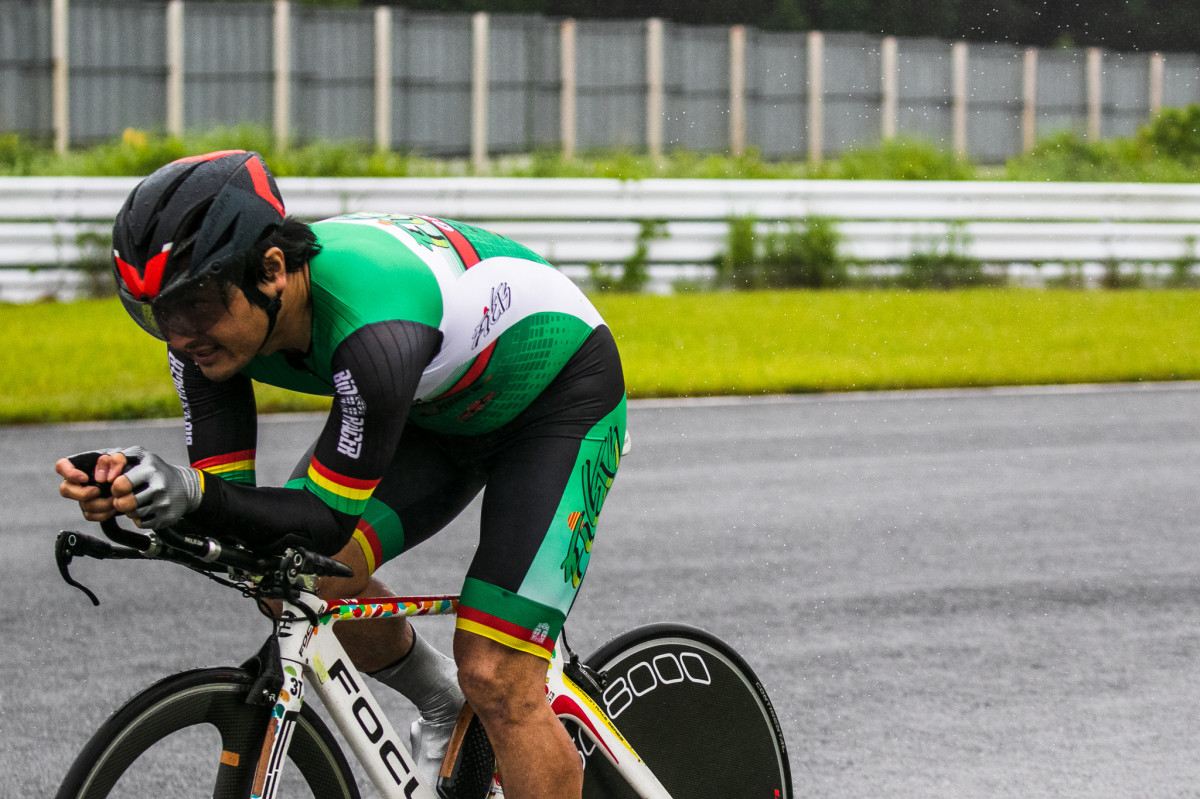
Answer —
694 711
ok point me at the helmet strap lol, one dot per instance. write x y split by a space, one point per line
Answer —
269 305
271 308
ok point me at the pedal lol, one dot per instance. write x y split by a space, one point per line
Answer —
470 763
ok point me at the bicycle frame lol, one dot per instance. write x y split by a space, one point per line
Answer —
311 656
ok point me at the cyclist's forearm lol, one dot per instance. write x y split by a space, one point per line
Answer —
267 519
220 422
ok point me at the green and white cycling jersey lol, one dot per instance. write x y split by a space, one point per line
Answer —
457 359
508 319
417 320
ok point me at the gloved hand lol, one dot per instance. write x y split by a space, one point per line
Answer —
164 492
86 463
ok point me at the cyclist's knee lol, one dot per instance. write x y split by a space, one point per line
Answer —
501 684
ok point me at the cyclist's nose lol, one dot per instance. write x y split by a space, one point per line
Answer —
183 340
176 340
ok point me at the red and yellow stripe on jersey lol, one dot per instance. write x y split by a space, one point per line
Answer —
508 618
368 541
379 534
236 467
345 494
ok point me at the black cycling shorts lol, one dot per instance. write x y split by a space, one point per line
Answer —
545 476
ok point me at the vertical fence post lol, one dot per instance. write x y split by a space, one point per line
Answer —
1157 66
1029 100
655 69
60 75
737 90
816 96
175 67
282 34
383 78
1095 92
567 121
959 60
889 103
479 92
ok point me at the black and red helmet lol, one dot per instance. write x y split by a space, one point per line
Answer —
194 220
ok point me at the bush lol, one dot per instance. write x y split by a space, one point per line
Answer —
899 159
944 264
139 153
635 270
737 267
1174 133
1166 150
1068 156
95 261
17 157
803 255
1182 268
135 154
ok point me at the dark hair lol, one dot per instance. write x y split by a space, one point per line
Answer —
297 241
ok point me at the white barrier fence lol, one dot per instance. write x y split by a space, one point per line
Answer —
1028 229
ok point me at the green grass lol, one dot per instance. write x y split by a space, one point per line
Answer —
86 360
779 342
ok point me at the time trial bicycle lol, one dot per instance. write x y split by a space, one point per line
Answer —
665 711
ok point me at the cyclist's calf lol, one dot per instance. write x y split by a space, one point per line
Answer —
507 689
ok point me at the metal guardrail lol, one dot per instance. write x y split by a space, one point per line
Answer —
576 222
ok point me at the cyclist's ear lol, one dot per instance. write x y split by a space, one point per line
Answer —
274 269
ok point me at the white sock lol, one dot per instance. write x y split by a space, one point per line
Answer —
428 679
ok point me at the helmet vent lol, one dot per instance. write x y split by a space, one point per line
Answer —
225 237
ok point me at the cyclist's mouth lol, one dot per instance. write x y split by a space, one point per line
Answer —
203 356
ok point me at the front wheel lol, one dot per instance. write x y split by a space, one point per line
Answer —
694 711
193 734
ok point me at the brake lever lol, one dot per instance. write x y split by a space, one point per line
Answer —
65 548
70 544
290 566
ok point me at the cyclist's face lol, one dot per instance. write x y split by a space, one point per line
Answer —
221 334
194 312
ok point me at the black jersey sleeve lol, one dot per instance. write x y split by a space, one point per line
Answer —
376 371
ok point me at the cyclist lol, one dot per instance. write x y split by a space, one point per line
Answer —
458 361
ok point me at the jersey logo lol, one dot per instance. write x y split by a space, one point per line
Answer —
500 302
177 378
596 478
417 227
353 408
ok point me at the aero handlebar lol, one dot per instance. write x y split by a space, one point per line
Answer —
198 552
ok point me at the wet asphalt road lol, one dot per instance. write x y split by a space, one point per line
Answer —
960 594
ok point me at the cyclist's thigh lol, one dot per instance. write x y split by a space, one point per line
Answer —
421 492
547 482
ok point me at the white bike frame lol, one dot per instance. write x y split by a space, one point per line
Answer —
312 657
